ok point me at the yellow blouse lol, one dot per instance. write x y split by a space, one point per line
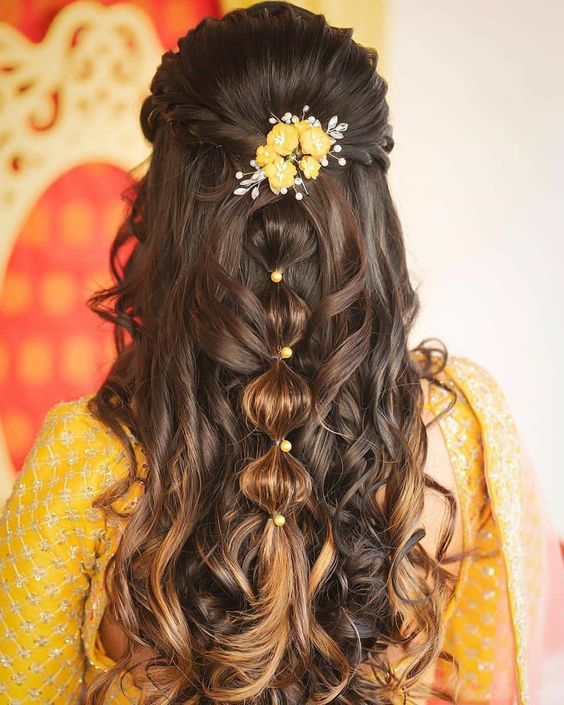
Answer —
54 547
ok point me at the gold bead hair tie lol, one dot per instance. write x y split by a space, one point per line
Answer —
283 353
279 519
284 444
276 275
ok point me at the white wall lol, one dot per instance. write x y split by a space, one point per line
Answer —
476 92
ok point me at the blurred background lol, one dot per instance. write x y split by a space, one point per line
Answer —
477 104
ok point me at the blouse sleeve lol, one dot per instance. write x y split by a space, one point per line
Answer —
49 538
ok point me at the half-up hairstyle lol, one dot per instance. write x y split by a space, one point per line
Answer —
275 553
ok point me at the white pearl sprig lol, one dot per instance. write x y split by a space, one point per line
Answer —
334 129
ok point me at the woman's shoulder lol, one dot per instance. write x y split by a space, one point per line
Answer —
74 449
473 374
75 414
72 422
473 384
481 390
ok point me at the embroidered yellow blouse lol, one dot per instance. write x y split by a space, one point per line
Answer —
54 547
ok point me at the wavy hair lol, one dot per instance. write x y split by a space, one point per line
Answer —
234 607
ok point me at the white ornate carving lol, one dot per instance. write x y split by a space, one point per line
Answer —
71 99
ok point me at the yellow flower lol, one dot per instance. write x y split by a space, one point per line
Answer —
265 154
310 167
283 138
280 173
302 125
315 141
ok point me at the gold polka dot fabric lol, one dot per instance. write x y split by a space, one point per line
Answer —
471 616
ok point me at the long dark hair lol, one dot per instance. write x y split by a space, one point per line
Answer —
234 606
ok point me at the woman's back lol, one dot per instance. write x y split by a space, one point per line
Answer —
75 458
438 466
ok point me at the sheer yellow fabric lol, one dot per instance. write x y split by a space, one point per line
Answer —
471 619
54 547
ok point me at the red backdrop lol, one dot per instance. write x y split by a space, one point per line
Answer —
51 346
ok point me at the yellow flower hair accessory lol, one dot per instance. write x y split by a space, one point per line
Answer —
296 148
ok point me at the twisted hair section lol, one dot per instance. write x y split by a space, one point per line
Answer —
252 324
275 554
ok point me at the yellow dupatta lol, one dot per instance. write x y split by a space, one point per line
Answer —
529 545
